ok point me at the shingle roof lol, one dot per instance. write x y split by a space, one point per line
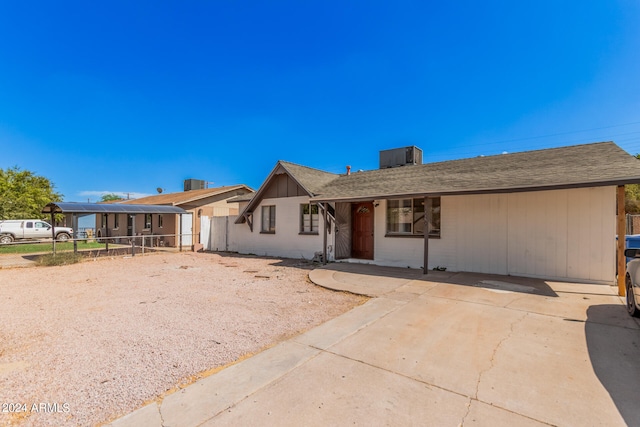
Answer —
242 198
184 196
312 180
594 164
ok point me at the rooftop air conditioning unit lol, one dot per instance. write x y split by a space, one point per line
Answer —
400 157
193 184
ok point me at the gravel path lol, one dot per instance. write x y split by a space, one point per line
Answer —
89 342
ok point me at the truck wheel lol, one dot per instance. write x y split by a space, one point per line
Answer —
62 237
6 238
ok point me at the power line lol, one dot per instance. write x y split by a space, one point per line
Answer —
628 144
562 133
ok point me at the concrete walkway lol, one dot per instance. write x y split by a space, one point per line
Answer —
17 260
444 349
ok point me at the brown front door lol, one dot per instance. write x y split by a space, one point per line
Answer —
362 220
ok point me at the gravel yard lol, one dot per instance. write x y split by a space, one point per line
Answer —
85 343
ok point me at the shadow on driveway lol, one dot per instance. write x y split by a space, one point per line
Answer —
615 356
488 281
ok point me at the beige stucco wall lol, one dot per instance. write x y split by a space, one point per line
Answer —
218 208
562 234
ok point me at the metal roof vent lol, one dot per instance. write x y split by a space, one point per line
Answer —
400 157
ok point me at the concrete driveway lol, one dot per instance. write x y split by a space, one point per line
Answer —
444 349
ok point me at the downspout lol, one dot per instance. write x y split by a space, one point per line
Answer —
427 221
180 232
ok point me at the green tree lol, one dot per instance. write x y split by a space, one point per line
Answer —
632 197
23 194
110 197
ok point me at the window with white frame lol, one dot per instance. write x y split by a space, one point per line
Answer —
116 221
147 221
269 219
309 218
407 216
160 221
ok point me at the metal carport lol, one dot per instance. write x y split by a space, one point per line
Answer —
79 209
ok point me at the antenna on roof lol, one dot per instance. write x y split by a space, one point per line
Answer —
159 190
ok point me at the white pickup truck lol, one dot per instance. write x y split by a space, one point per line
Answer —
16 229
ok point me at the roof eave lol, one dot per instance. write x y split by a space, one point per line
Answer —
193 199
96 208
515 189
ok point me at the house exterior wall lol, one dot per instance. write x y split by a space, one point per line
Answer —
287 240
169 226
216 207
561 234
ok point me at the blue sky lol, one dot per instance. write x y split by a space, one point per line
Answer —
130 96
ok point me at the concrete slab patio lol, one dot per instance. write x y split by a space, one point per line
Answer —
446 349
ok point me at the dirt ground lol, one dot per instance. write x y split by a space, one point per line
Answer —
85 343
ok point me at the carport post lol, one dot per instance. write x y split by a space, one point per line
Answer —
53 231
427 221
74 221
106 233
622 234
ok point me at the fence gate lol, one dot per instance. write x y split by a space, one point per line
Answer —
205 233
187 229
219 227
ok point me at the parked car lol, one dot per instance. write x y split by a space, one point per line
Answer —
632 281
19 229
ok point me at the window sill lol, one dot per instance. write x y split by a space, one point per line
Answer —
267 232
308 233
412 236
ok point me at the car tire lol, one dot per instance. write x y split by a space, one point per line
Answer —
62 237
6 239
632 309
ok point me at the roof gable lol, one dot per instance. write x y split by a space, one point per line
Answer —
288 180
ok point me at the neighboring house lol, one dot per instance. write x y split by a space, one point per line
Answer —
209 202
547 213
